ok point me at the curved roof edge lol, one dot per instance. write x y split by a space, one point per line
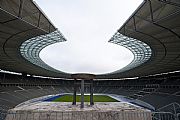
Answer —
21 21
155 23
142 52
31 48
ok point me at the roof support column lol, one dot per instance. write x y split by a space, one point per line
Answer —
39 19
20 8
82 93
74 95
91 93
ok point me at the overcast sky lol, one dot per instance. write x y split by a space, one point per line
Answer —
87 25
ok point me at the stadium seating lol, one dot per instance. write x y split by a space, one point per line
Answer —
158 91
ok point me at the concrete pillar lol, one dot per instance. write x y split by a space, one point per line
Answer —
91 93
82 93
74 95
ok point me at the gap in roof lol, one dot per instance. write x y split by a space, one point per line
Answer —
87 25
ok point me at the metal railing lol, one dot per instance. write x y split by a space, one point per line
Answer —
163 116
88 115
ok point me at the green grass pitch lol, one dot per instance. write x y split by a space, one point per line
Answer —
97 98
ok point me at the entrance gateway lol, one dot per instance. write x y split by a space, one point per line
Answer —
83 77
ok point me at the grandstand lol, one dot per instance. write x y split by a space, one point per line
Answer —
151 80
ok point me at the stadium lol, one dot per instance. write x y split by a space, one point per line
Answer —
146 89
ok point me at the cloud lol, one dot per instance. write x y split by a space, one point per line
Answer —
87 25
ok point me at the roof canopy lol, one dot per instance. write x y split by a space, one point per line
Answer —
152 33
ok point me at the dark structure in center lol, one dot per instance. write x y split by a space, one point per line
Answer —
83 77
